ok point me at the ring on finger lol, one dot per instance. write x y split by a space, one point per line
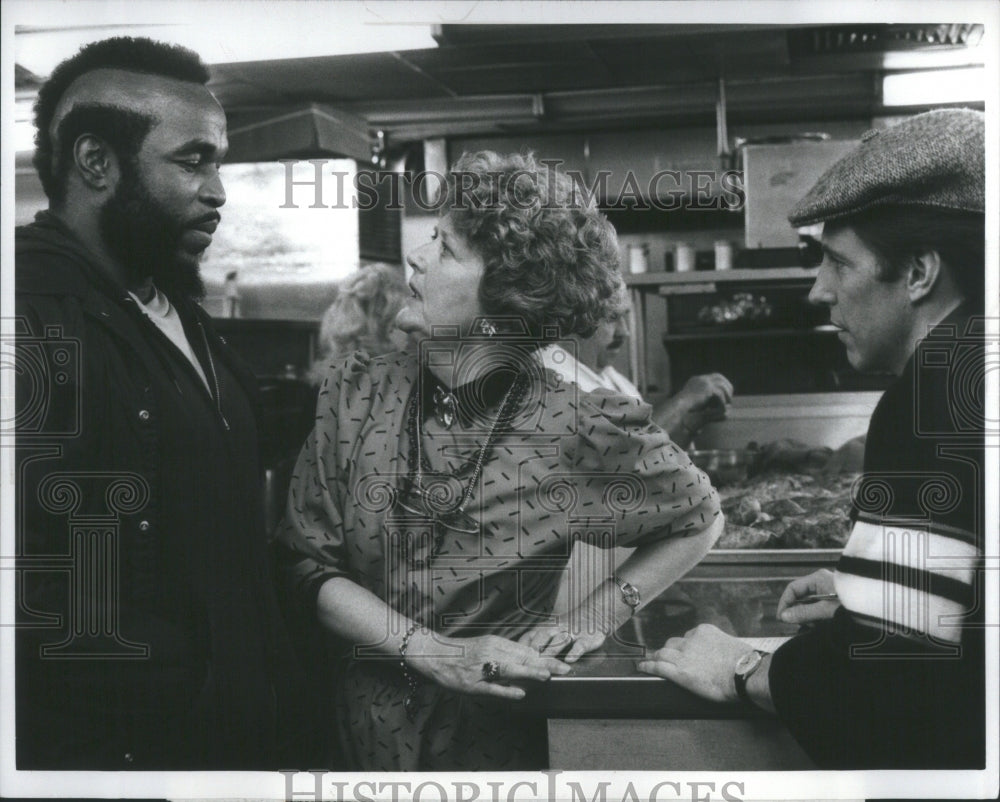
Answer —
491 671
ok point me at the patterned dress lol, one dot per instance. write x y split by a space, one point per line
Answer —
571 465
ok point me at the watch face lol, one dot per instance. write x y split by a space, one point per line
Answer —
630 593
747 662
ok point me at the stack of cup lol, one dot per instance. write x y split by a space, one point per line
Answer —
723 255
638 258
683 257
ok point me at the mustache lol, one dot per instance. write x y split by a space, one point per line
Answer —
211 217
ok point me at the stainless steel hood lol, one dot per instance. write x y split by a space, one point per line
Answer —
502 79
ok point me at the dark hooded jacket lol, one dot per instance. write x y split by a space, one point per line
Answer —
149 636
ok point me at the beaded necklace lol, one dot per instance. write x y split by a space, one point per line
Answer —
418 500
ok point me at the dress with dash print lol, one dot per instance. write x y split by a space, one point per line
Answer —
571 465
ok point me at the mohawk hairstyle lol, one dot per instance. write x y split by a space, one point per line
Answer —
132 54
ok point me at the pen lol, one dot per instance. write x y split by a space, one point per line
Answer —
816 597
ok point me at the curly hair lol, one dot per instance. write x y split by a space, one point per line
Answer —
362 315
131 54
551 258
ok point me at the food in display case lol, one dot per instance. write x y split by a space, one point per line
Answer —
724 465
788 499
787 511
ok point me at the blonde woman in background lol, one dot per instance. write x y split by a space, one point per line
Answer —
362 316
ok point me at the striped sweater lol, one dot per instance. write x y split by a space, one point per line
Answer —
896 678
910 565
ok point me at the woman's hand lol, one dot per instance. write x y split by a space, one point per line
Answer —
553 641
459 663
793 610
588 626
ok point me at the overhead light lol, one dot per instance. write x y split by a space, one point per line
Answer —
933 87
216 32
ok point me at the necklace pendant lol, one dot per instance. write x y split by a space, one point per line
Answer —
410 705
458 520
445 408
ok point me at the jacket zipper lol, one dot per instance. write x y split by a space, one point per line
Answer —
215 377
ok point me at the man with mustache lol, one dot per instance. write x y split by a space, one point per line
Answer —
703 399
162 646
890 673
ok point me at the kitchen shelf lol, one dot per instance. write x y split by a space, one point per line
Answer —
271 347
703 282
734 334
646 281
263 324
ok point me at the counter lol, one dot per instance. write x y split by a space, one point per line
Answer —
606 715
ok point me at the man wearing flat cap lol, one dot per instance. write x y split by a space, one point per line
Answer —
889 673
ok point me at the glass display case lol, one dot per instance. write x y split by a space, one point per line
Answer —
736 590
605 713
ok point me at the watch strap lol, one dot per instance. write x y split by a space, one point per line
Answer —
740 678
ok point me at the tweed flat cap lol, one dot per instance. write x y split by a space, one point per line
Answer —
936 159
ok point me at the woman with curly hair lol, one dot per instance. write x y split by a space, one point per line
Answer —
435 506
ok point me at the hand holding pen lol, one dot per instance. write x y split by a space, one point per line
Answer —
810 598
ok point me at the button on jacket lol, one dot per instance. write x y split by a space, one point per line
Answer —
169 650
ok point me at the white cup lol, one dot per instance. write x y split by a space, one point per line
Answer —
638 258
683 257
723 255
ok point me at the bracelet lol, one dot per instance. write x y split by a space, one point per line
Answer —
412 685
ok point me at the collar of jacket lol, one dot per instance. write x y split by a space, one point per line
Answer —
66 266
61 266
72 270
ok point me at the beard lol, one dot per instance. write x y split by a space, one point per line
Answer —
145 239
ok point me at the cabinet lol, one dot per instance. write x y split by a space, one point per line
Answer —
794 350
627 166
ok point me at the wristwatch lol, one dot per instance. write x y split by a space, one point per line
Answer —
745 668
630 593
